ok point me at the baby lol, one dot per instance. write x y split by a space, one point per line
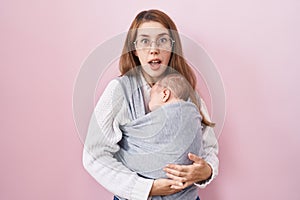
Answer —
170 89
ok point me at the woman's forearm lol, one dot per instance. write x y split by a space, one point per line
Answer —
210 148
116 178
102 143
210 154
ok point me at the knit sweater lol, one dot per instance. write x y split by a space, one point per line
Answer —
102 143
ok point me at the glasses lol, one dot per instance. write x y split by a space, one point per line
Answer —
164 42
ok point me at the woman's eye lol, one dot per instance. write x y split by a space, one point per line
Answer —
163 40
144 41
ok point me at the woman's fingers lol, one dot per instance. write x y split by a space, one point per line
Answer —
177 170
181 180
188 174
175 187
186 184
164 187
173 171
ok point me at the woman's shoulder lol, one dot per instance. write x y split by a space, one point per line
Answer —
114 84
118 81
113 90
120 86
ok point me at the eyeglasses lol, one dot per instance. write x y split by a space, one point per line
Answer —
164 42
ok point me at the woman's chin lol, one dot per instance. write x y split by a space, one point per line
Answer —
154 72
155 67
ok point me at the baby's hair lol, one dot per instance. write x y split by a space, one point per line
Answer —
182 89
179 86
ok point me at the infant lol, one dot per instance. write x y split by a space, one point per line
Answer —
170 89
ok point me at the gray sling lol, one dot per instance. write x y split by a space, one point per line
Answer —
153 140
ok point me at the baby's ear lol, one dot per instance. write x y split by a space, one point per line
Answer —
166 94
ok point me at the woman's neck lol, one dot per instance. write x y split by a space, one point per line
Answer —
151 80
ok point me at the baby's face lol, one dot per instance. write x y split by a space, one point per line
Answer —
156 97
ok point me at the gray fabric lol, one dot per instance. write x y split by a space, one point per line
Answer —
166 135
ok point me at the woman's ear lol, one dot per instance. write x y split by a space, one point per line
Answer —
166 94
135 53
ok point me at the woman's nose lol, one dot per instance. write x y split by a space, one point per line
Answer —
154 48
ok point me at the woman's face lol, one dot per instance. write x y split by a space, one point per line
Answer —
152 48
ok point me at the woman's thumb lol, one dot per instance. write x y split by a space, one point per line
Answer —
194 158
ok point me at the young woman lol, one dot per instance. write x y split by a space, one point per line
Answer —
152 44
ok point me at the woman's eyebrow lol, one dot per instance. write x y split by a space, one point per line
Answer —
161 34
145 35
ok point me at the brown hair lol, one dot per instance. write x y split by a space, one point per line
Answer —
129 61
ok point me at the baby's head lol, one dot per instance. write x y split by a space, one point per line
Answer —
171 88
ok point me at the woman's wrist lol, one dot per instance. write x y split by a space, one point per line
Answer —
205 180
152 191
208 179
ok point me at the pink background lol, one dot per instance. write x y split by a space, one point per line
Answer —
255 45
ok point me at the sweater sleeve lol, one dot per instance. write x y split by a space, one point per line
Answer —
210 147
102 143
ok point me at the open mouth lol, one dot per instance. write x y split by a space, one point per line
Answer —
155 64
155 61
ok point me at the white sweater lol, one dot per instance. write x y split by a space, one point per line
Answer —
102 143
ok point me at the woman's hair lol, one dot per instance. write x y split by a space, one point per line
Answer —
182 89
129 61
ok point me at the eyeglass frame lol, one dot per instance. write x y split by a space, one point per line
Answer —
151 41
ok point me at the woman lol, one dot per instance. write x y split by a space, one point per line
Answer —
152 43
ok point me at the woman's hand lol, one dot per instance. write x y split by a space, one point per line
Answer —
164 187
189 174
